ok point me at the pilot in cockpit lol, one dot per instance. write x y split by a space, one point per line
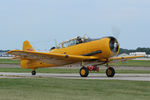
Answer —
79 40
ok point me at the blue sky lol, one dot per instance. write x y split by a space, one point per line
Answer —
43 21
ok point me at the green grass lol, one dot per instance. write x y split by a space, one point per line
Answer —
67 70
68 89
9 61
136 63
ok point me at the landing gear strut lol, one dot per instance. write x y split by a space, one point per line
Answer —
84 72
33 72
110 72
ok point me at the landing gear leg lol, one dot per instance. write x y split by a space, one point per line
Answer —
33 72
110 71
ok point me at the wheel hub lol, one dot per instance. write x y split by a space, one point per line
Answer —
109 72
83 72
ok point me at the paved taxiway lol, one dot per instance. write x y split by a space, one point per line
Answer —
135 77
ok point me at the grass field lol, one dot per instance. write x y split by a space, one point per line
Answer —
9 61
67 89
67 70
144 63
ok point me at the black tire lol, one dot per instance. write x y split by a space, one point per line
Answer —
84 72
110 72
33 72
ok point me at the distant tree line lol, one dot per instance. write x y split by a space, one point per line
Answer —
139 49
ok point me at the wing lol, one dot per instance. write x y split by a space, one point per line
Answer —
51 58
115 59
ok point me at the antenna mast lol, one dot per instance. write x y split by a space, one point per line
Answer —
56 43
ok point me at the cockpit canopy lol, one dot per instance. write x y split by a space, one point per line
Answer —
72 42
114 45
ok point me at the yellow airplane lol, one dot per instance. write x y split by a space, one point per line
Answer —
77 50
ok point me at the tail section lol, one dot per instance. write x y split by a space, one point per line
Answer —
27 46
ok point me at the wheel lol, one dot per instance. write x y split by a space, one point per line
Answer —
33 72
84 72
110 72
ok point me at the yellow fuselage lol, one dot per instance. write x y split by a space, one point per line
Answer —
86 48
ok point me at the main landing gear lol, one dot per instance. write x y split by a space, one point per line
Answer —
84 71
110 72
33 72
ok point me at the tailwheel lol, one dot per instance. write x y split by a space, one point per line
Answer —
33 72
84 72
110 72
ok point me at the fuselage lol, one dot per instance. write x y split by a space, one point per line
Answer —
102 48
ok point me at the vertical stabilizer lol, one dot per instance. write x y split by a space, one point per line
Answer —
27 46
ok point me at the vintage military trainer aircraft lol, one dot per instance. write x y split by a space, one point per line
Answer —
77 50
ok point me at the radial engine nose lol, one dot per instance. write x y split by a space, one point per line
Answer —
114 45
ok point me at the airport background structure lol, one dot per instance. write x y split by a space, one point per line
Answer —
3 53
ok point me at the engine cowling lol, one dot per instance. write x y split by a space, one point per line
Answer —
114 45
